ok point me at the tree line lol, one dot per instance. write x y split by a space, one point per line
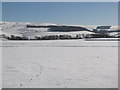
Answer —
56 37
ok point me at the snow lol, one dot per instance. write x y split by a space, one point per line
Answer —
73 34
60 64
0 65
46 24
102 39
89 27
20 29
114 34
114 28
57 63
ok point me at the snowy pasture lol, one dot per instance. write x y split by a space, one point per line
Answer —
60 64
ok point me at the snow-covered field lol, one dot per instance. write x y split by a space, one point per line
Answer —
60 64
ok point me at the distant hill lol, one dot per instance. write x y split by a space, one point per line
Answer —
50 31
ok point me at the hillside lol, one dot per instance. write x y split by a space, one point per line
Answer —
50 30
